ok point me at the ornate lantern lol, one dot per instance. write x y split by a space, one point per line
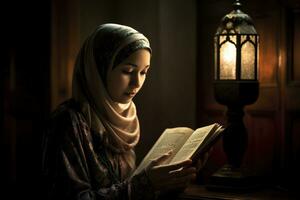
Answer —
235 83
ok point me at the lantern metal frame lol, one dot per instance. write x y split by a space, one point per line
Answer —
240 25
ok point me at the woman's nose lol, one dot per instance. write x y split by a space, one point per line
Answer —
136 81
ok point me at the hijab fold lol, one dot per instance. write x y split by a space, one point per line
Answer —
117 124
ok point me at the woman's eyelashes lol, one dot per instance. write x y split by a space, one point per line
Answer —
144 72
127 72
132 71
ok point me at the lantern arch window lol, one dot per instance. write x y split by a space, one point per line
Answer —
236 47
228 58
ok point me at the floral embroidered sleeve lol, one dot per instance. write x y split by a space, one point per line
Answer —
72 170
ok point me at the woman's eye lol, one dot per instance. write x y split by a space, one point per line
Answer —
144 72
126 72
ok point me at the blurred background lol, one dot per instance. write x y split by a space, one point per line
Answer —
41 40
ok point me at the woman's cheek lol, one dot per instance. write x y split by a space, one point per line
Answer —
143 81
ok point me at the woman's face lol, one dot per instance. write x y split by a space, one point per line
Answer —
127 78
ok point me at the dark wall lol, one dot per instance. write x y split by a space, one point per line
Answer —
25 92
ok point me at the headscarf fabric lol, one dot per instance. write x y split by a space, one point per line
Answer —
117 124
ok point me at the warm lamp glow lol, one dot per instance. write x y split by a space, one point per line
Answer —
248 61
228 61
236 45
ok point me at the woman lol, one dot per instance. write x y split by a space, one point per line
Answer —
90 140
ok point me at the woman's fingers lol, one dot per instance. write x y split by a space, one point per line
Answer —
161 159
176 174
202 161
176 166
183 172
172 176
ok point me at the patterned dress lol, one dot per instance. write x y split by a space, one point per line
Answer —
77 166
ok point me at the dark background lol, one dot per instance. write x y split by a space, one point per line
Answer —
41 40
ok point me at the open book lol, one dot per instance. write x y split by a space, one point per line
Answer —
184 142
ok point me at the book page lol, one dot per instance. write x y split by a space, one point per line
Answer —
193 143
171 139
207 143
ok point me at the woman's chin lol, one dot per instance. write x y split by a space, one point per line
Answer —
124 100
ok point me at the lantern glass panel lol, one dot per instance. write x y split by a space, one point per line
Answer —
243 38
222 38
233 38
248 61
228 61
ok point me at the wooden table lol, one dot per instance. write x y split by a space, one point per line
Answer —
269 193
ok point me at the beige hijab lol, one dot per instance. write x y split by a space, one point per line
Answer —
117 124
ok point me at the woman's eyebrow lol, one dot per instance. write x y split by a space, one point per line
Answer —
134 65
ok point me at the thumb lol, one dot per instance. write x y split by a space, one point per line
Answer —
160 159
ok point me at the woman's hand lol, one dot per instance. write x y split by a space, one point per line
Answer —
170 177
202 161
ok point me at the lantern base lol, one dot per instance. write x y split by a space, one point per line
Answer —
232 93
232 179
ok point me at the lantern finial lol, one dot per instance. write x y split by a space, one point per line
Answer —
237 5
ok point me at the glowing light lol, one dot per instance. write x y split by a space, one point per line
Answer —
228 61
248 64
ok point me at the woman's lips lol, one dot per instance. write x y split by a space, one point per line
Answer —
131 94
